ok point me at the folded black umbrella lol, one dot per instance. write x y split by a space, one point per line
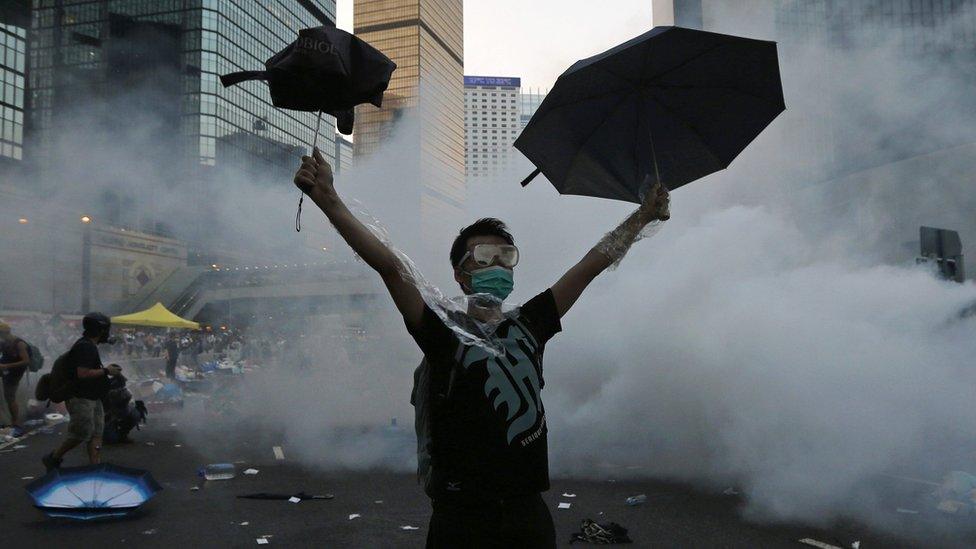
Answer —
325 70
299 495
672 105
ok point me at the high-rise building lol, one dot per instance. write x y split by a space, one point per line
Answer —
425 39
162 60
14 23
529 101
343 154
491 123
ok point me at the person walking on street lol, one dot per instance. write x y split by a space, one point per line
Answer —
483 455
90 385
172 353
14 359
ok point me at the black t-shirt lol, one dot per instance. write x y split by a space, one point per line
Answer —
84 354
481 425
172 349
9 354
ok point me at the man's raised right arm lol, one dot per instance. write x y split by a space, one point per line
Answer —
314 178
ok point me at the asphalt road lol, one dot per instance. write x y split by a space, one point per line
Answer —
674 516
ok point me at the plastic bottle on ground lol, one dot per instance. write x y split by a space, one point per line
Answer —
219 471
636 500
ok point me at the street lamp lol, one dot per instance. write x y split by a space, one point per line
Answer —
86 264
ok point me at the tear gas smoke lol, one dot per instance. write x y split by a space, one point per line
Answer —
773 334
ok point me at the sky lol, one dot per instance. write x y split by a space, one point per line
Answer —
538 40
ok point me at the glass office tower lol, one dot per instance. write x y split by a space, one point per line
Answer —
88 50
425 39
14 22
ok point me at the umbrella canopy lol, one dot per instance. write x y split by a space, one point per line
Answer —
673 104
158 316
92 491
325 70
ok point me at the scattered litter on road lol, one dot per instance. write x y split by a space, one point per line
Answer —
177 446
150 444
250 471
53 417
279 454
245 523
378 501
952 506
565 495
194 488
20 447
263 541
564 505
601 534
302 496
150 532
172 425
820 544
410 528
636 500
26 478
907 511
730 491
856 545
354 516
293 499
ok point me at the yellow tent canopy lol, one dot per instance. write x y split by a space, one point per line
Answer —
158 316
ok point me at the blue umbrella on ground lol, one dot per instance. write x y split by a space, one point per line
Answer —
93 491
671 106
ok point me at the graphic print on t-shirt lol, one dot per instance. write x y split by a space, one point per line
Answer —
513 379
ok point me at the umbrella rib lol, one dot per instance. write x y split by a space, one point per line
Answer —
589 137
725 88
104 503
68 488
686 62
693 130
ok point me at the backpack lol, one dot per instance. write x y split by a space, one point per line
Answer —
59 385
36 358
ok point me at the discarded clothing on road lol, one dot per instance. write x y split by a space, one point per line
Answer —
601 534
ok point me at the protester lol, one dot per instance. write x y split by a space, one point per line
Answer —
14 359
484 467
172 353
90 385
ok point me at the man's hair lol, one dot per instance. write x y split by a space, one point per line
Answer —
486 226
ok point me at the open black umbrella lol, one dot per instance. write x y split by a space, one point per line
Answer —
673 104
325 70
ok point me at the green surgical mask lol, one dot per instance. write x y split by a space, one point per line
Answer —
496 281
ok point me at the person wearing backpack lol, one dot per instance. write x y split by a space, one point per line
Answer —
89 386
14 359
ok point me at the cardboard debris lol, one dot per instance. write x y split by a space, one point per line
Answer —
564 505
820 544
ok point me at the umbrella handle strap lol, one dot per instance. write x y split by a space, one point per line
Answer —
235 78
531 176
